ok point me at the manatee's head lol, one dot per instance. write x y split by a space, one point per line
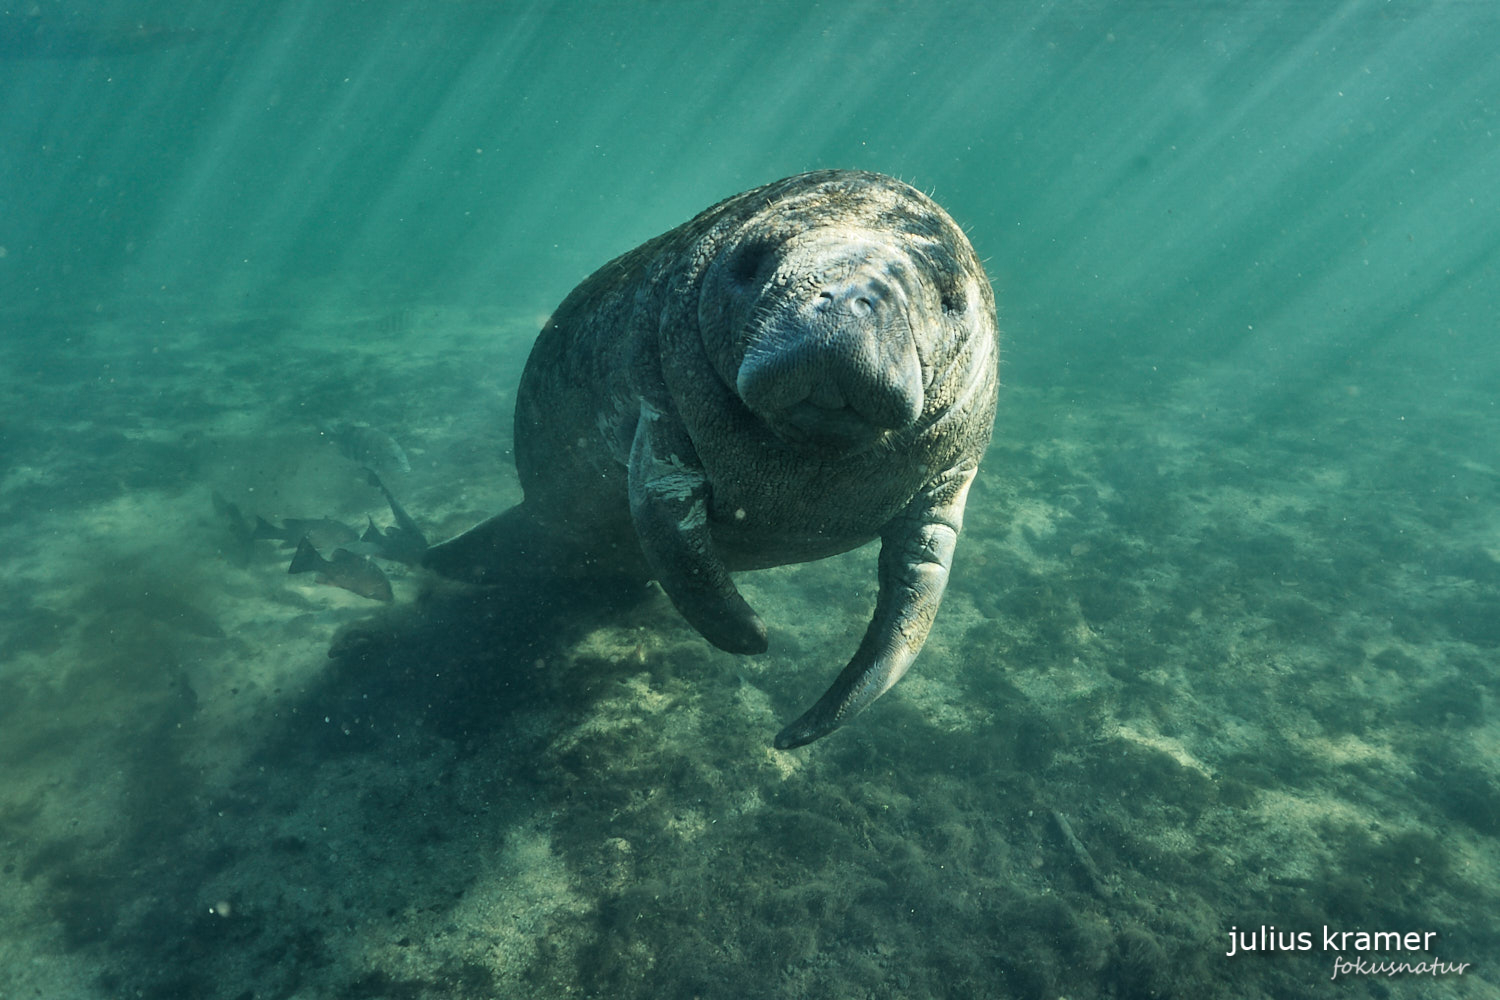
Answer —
834 313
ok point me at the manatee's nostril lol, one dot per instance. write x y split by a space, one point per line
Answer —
856 302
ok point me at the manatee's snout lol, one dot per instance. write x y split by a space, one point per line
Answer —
836 364
852 300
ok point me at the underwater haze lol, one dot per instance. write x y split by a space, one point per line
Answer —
1215 689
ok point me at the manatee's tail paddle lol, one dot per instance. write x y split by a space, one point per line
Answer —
492 552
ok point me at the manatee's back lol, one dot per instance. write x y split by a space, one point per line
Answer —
579 396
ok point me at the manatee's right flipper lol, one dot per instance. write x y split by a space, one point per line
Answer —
916 549
669 505
493 552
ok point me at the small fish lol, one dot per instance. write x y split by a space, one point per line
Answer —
230 511
403 542
355 573
367 446
323 532
241 531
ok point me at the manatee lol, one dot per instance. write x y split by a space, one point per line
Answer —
796 371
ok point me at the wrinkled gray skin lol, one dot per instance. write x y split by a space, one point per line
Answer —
796 371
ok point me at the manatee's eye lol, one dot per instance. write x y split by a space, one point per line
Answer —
745 265
955 299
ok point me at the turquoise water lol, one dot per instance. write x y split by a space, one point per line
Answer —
1220 647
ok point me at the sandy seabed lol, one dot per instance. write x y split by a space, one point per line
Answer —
1202 667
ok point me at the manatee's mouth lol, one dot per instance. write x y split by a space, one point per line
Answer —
841 428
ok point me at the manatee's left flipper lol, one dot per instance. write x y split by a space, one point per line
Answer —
669 493
916 550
